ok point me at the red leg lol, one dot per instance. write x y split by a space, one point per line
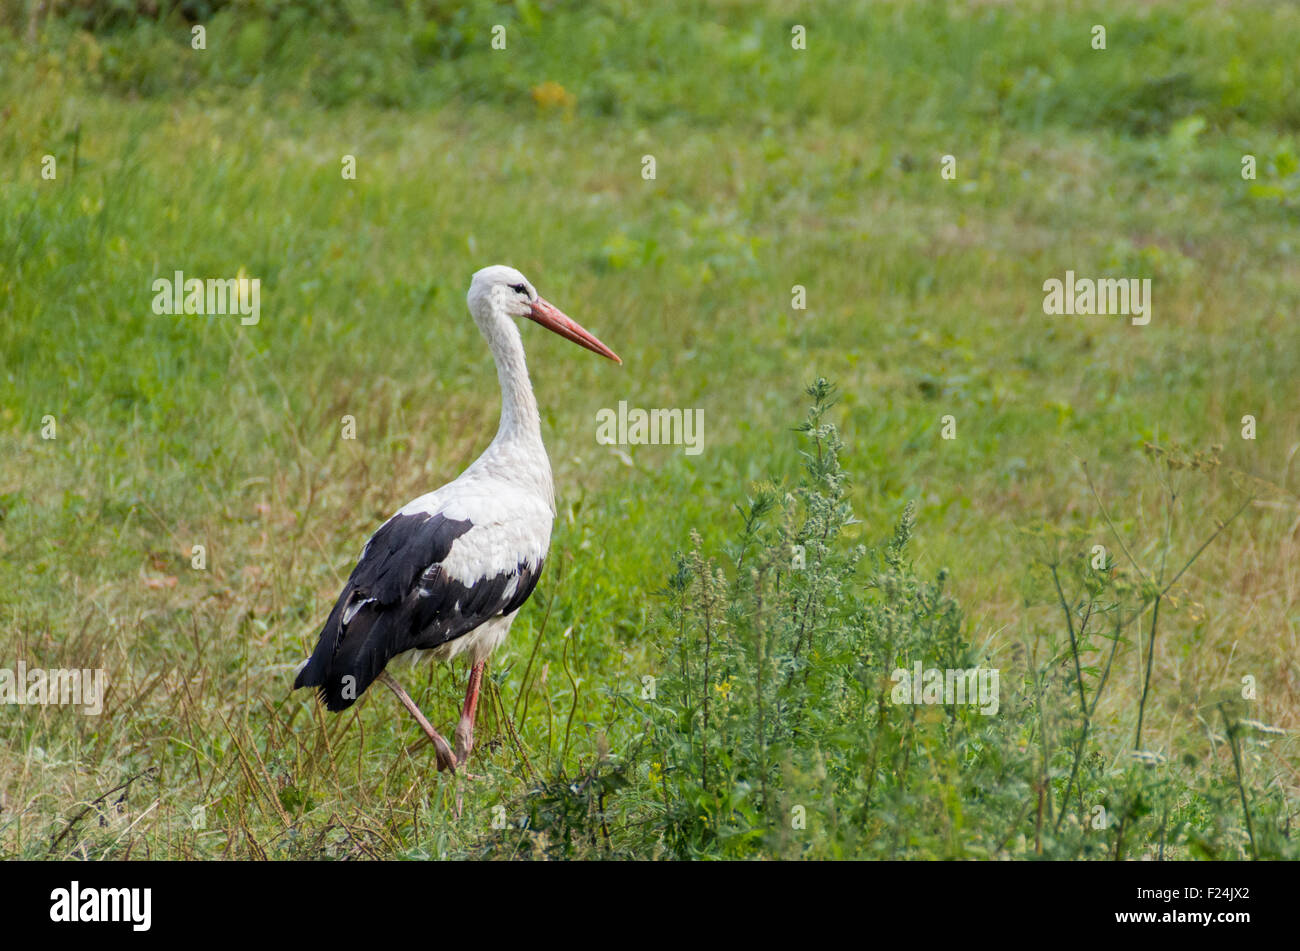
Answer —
443 751
465 728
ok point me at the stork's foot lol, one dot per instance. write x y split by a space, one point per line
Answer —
442 752
464 743
464 740
446 759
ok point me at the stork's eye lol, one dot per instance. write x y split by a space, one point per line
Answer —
519 289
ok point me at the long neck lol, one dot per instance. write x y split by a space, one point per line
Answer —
516 455
519 417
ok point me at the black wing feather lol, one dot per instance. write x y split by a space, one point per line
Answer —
399 598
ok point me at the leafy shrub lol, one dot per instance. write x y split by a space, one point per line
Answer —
774 727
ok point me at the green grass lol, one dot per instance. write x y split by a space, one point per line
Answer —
775 167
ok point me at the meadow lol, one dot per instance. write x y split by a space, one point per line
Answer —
676 687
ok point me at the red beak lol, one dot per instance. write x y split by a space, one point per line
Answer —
555 320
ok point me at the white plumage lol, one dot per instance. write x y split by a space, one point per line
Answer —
447 574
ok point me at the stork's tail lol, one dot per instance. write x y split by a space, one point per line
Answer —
341 671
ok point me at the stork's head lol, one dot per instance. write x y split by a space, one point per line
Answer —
498 292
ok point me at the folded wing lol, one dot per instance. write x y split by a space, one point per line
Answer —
424 579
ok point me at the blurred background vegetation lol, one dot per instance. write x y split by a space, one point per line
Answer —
775 167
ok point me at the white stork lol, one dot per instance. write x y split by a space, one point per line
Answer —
448 572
